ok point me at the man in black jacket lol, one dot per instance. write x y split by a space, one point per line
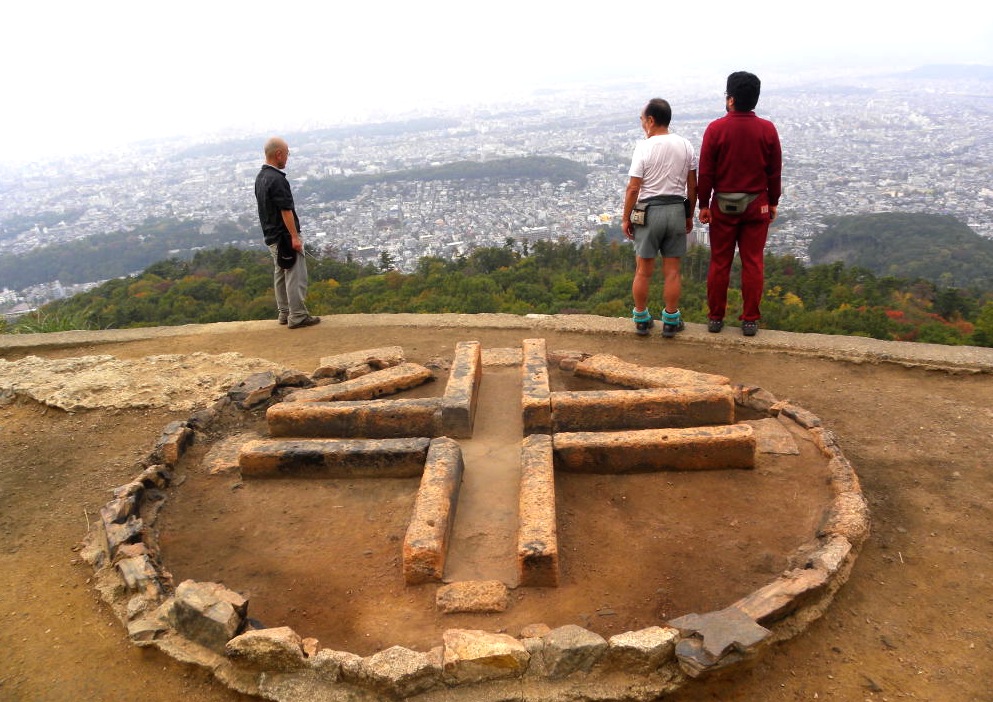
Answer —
281 229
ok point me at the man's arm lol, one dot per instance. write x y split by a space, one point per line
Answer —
691 196
291 227
630 197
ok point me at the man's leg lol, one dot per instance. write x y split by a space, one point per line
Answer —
279 287
673 283
644 267
722 242
751 249
672 320
296 290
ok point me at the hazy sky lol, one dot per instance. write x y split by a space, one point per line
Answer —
89 76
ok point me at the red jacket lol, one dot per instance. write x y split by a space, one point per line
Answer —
740 154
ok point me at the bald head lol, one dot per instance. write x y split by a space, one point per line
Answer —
276 152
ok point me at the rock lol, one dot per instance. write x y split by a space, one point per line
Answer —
805 418
254 390
403 672
139 574
128 532
293 379
118 510
278 649
534 631
473 596
475 656
208 613
711 637
333 666
310 647
848 516
641 651
755 398
572 648
173 442
144 631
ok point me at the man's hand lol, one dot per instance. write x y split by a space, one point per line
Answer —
628 229
772 212
704 215
297 242
689 225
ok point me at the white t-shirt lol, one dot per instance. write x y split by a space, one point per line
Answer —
662 162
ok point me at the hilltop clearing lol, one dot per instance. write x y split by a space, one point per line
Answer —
914 621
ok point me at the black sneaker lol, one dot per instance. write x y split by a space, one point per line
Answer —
672 324
750 327
714 326
670 330
307 321
643 322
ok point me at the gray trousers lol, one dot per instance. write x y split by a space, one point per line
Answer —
290 285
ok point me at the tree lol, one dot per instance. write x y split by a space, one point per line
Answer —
386 261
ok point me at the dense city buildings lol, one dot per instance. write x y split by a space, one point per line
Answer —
850 147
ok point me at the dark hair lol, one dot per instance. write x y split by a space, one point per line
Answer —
744 87
659 110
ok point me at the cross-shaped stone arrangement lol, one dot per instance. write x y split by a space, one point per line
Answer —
343 421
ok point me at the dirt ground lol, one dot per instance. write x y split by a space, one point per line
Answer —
915 621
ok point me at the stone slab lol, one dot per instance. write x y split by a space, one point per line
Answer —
338 366
371 419
649 450
388 381
476 596
613 370
650 408
334 458
458 408
537 536
222 458
536 407
425 545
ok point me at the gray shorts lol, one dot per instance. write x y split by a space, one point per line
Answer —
664 232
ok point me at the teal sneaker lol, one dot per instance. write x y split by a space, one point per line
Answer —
672 324
643 322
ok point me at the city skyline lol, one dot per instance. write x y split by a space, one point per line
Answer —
90 79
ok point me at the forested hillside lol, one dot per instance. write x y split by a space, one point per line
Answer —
118 253
934 247
555 169
545 277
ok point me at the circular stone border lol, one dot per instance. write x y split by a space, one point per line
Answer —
206 624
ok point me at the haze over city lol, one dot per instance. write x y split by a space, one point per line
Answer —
85 78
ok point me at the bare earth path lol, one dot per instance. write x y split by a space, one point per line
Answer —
915 621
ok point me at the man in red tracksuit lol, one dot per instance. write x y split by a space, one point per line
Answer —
739 184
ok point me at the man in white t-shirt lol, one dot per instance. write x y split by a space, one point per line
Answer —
663 177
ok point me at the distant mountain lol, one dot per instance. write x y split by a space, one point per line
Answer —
937 248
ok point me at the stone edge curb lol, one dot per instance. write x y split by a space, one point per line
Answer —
846 348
